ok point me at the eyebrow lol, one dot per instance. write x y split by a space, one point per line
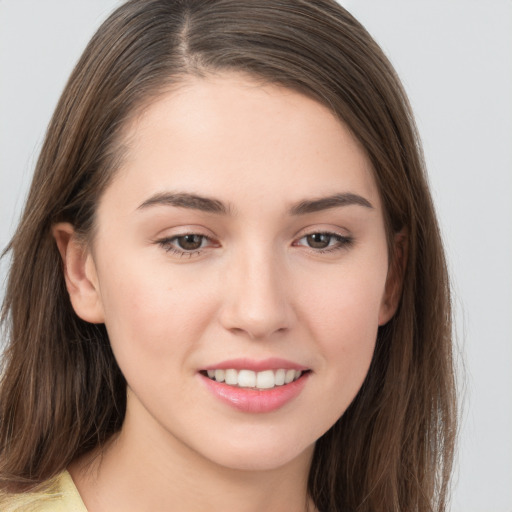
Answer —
184 200
211 205
325 203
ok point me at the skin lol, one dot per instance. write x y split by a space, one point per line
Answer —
255 289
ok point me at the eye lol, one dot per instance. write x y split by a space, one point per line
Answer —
324 241
319 240
188 244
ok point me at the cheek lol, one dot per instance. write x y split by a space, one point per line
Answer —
152 314
345 306
343 320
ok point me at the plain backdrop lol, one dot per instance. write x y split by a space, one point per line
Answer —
455 59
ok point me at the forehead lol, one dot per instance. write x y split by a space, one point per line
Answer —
227 132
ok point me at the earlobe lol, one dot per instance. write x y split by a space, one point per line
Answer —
394 280
79 273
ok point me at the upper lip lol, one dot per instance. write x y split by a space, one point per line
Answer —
273 363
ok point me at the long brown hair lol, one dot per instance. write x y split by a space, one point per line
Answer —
62 393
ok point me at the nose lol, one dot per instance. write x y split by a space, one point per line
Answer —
256 301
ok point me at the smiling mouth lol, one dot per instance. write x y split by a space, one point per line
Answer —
267 379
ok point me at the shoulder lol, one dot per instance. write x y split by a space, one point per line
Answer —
57 495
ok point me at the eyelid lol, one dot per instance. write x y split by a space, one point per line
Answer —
182 230
323 228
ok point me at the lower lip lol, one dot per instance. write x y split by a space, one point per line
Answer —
256 400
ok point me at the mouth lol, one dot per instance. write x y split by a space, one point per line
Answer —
256 386
258 380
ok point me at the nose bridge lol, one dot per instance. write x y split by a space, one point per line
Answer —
257 300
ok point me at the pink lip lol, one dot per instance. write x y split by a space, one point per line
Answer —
273 363
255 400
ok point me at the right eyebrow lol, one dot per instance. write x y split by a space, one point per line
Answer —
334 201
185 200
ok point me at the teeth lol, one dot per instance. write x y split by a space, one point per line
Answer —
280 377
290 375
246 379
266 379
231 377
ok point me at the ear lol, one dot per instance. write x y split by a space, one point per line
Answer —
80 274
395 277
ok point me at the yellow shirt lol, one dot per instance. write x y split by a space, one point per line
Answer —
60 495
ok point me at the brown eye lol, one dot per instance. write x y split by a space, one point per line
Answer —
323 242
190 242
319 240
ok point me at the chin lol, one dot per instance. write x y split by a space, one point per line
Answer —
261 454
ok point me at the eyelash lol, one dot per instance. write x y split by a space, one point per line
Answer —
342 242
168 245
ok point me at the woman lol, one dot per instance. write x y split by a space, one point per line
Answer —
237 294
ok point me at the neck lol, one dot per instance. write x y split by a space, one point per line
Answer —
137 471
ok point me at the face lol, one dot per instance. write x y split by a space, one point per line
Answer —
240 266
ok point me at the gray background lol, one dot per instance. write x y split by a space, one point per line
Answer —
455 59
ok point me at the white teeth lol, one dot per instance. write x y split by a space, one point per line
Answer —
290 375
266 379
231 377
280 375
246 378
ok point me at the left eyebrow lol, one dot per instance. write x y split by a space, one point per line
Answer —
324 203
185 200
